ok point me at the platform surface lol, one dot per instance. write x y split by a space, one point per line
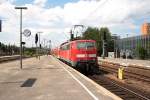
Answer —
143 63
9 56
47 79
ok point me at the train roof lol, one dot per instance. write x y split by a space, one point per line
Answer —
77 41
84 40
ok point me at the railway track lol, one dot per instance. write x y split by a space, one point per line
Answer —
130 71
124 92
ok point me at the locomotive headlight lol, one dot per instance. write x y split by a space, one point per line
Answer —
81 55
92 55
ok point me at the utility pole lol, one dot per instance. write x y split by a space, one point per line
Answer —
39 46
104 44
36 41
21 8
39 43
114 49
126 47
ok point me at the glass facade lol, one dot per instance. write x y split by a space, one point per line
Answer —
130 44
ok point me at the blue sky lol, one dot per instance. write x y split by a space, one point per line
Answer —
22 2
56 17
51 3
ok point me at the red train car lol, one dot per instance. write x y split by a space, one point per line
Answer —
79 52
55 52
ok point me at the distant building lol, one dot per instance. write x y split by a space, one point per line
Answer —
115 37
130 44
145 28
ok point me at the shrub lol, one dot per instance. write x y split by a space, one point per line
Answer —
142 53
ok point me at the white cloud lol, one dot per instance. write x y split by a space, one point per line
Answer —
40 2
4 1
118 15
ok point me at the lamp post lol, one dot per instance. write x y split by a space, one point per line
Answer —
21 8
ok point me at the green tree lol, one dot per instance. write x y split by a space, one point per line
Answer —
107 32
97 35
141 52
8 49
30 51
94 34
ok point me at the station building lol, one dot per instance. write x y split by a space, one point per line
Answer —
129 45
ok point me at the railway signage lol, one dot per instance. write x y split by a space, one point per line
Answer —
23 43
27 32
104 35
36 38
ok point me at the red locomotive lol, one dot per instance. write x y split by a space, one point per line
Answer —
78 53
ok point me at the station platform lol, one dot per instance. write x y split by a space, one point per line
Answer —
9 56
47 79
126 62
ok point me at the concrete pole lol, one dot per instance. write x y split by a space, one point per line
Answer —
21 38
36 51
21 8
39 45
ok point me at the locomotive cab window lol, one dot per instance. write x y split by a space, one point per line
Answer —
65 47
85 45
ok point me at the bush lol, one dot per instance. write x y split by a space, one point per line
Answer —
142 53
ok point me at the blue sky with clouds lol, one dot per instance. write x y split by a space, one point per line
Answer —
51 3
56 17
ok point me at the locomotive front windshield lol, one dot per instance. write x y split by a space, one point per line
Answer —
85 45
